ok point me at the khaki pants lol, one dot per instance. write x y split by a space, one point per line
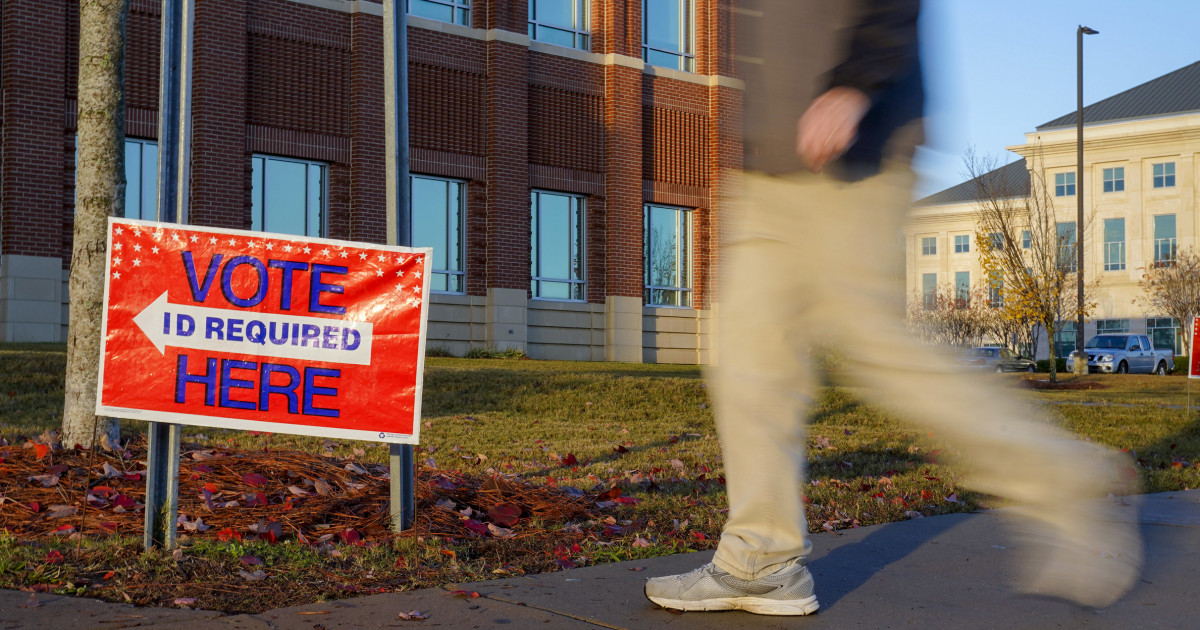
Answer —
812 261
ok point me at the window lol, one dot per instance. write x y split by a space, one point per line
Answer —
1114 244
1164 175
929 246
929 290
1114 179
141 179
1067 260
1026 239
996 293
962 243
1164 331
288 196
1112 326
453 11
962 287
667 38
437 222
1064 342
995 241
557 239
668 263
1164 239
560 22
1064 184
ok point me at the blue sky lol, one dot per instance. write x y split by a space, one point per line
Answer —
997 69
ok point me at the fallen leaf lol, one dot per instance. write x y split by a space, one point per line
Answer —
349 536
251 560
254 576
61 511
500 532
475 526
641 542
620 448
464 594
446 504
41 450
412 615
569 460
54 557
32 602
46 481
185 601
254 479
637 568
504 514
227 534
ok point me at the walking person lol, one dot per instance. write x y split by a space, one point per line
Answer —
832 114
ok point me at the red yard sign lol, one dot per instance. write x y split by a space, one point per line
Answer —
267 332
1194 360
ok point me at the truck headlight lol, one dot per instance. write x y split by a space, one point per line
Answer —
1106 358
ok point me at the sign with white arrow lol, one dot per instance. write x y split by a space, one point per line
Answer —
267 332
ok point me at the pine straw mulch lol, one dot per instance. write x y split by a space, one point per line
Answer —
497 525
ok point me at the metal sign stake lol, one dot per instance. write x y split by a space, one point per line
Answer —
395 78
174 137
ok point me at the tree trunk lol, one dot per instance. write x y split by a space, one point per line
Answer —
99 192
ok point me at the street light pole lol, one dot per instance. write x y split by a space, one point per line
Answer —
1080 366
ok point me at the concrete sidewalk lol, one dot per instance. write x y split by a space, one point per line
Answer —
946 572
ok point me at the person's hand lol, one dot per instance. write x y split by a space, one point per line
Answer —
829 126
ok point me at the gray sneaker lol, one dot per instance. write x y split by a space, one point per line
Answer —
788 591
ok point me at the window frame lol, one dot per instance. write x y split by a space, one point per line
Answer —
1114 251
577 233
1063 187
145 194
686 58
929 246
683 258
1112 326
580 29
258 210
1114 181
1155 328
1168 243
1068 259
460 9
453 277
929 290
1159 177
962 243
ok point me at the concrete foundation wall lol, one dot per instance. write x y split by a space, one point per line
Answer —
32 299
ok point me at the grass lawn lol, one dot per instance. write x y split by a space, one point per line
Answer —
576 429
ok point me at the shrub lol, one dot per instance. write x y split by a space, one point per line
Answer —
488 352
1044 365
1181 365
438 350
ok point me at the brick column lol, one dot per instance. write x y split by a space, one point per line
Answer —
32 147
368 194
507 155
623 146
220 178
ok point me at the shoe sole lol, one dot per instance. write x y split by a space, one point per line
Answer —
756 605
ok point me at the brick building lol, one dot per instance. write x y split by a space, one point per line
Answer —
566 155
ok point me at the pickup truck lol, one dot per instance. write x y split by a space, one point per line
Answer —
1124 353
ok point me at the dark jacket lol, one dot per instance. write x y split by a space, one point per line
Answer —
790 51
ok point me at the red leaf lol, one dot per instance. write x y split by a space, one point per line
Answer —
504 514
35 507
464 594
625 500
227 534
41 450
565 563
54 557
256 499
109 575
203 468
124 501
248 559
569 460
211 487
254 479
620 449
349 536
610 494
475 526
699 536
